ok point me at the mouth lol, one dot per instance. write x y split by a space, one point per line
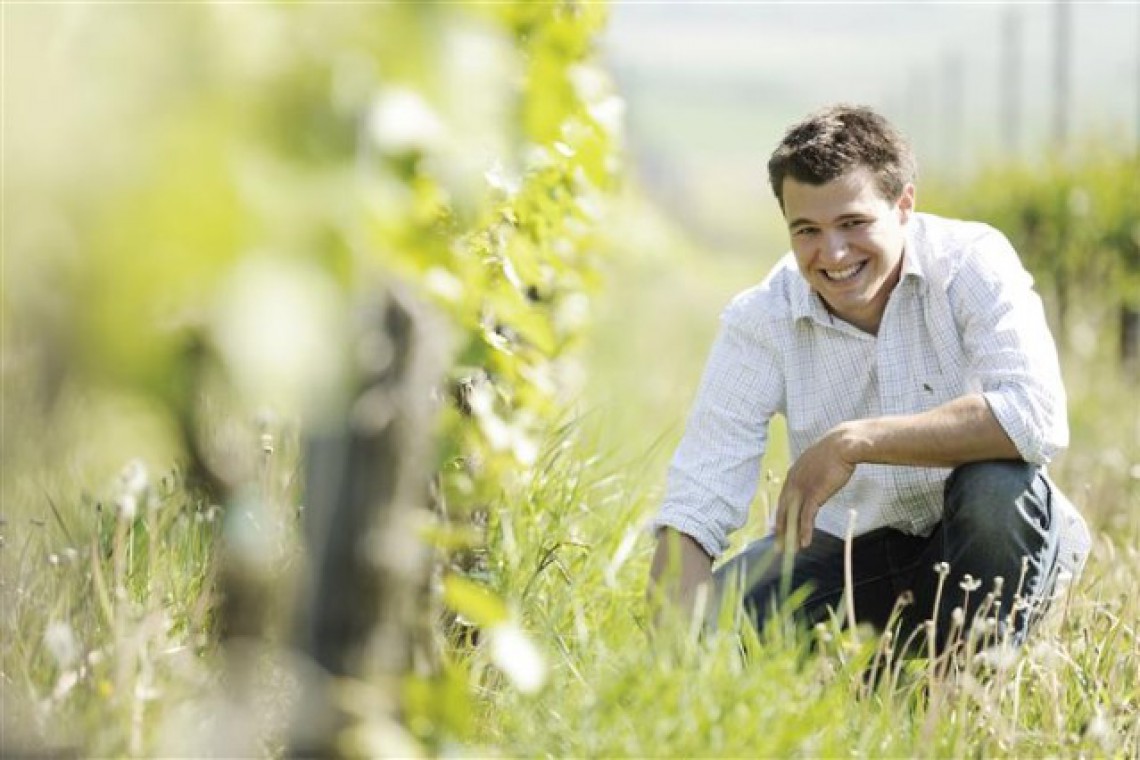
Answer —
843 275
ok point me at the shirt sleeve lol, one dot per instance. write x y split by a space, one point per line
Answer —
715 470
1010 349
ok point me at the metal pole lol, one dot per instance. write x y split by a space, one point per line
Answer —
1061 75
952 106
1010 94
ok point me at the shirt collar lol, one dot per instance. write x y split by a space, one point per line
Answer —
806 303
912 258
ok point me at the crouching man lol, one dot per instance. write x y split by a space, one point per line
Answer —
912 361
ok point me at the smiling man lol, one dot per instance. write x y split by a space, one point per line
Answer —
911 358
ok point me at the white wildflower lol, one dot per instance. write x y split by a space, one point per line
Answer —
444 284
572 312
969 583
132 486
1099 729
59 640
503 180
401 121
524 447
515 654
65 684
1046 654
999 658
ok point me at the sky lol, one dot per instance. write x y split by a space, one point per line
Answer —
710 87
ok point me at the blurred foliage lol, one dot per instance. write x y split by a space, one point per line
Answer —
1075 221
239 173
197 197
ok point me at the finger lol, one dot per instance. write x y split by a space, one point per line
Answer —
805 525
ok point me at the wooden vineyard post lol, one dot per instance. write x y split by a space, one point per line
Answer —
366 489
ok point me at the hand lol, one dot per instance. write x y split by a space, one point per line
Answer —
821 470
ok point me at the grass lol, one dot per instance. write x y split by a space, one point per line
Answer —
617 690
109 644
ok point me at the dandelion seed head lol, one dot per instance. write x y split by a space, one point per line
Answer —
130 488
67 681
1099 729
1006 657
969 583
982 626
515 654
59 640
1046 653
133 476
127 506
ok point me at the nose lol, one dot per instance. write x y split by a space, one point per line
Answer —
834 245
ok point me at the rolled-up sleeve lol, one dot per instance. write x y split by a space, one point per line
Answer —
1010 348
714 472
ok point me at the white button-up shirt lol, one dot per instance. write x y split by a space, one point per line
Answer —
964 318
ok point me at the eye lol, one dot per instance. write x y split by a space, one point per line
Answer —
851 224
805 231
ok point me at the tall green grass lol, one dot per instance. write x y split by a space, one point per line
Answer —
109 643
577 569
576 563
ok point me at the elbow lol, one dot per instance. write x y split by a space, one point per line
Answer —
1035 422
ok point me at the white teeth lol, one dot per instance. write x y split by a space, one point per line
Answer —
842 274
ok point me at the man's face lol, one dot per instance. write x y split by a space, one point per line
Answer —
848 242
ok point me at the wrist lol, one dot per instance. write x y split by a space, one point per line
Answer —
854 442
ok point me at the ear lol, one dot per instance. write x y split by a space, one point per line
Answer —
905 203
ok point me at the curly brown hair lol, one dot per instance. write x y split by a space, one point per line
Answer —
838 139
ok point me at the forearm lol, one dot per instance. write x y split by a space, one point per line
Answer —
959 431
680 568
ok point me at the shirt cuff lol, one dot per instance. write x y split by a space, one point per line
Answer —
1030 444
694 529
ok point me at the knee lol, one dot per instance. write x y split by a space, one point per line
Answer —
978 492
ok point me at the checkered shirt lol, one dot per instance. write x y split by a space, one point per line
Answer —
964 318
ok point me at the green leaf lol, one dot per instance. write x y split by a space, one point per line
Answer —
474 602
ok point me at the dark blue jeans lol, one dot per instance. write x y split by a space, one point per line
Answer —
998 517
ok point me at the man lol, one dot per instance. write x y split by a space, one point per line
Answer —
911 359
